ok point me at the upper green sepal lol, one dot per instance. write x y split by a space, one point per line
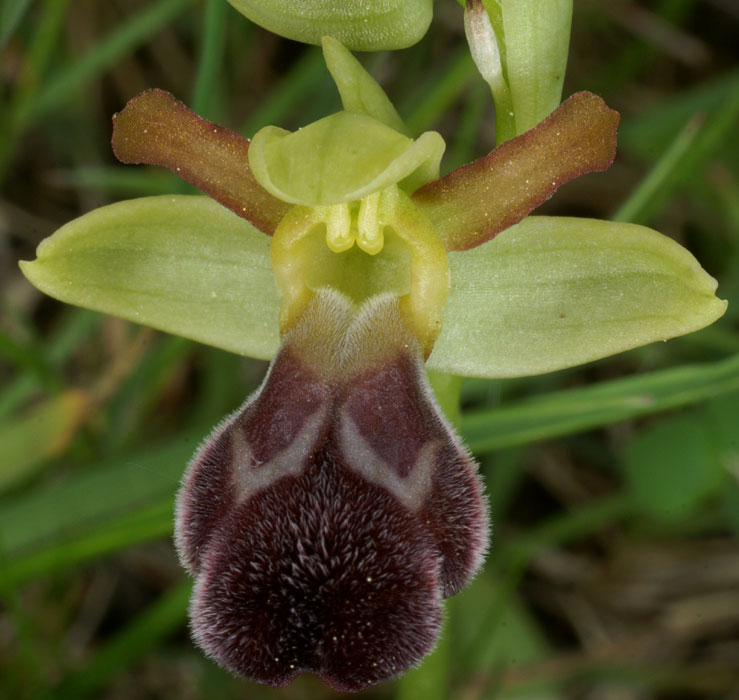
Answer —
182 264
359 91
361 25
341 158
551 292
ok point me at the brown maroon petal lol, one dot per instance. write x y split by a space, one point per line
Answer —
477 201
326 519
270 436
321 573
157 129
391 431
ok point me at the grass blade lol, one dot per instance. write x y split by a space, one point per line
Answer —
641 201
59 512
444 90
10 16
210 60
166 615
116 45
27 442
575 410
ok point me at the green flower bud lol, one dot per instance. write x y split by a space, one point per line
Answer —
370 25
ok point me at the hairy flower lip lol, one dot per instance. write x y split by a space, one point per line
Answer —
326 518
375 616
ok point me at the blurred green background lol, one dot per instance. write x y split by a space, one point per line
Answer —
614 570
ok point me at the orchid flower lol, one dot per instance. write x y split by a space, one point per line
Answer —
326 519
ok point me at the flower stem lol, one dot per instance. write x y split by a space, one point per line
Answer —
447 388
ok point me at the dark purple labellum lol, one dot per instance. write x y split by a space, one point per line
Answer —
326 519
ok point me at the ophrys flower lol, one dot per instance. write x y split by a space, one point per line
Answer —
325 520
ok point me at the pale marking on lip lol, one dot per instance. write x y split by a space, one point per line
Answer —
249 475
412 490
